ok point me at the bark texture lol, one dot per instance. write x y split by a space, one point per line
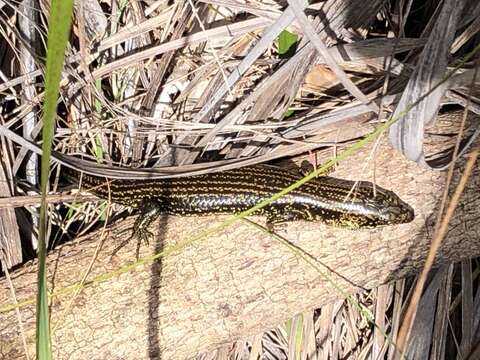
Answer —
235 283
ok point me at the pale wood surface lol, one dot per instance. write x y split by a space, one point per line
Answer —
236 283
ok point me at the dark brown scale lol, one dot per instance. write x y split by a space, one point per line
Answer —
324 199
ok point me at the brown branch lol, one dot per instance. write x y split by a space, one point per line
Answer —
32 200
236 283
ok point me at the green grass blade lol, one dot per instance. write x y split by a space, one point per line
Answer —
59 28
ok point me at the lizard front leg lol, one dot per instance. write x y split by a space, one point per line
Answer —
149 212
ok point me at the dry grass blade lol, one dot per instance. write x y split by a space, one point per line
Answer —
267 38
322 49
422 330
467 309
440 331
407 135
381 307
23 201
467 34
18 314
10 245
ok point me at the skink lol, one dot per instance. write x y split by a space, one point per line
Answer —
329 200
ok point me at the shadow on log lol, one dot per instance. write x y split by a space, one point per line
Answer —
235 283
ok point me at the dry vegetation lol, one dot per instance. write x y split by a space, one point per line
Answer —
195 86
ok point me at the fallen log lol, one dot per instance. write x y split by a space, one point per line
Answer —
235 283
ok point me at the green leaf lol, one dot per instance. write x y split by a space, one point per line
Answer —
58 32
294 328
288 113
287 43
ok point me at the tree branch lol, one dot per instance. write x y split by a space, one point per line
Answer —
235 283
